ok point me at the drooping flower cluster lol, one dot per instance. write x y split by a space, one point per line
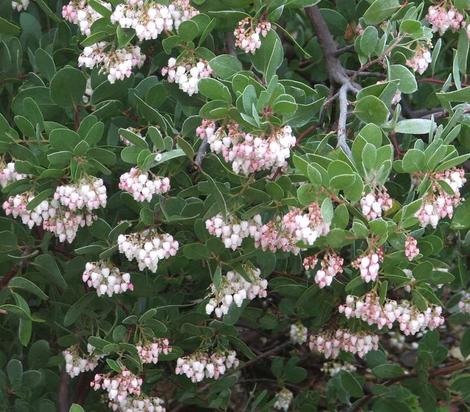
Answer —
375 203
8 175
420 60
106 278
138 404
442 19
332 368
464 304
330 343
410 319
369 264
294 227
283 399
149 352
248 37
234 289
298 333
201 365
141 186
19 5
331 265
116 63
310 262
147 248
411 248
150 19
439 204
232 231
50 214
75 363
246 152
187 75
81 13
88 193
119 386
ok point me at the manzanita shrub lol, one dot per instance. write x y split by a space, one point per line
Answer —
234 205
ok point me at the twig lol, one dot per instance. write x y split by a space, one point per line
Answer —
64 392
5 280
358 73
343 116
344 49
201 152
336 72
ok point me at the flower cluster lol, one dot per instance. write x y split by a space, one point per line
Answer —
375 203
50 214
298 333
147 248
330 343
411 248
187 75
310 262
234 288
420 60
81 13
141 186
19 5
118 386
442 19
283 399
232 231
75 364
247 37
331 265
149 352
294 227
116 63
409 318
9 175
464 304
138 404
106 278
88 193
369 264
439 204
201 365
332 368
246 152
150 19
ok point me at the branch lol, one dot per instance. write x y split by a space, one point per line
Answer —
328 45
201 152
5 280
336 72
343 116
64 392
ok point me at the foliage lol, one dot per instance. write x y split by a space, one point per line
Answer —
340 140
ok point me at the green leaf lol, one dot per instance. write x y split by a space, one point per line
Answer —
45 63
465 343
8 28
380 10
414 126
45 194
80 306
188 30
225 65
371 109
461 219
68 86
351 384
413 161
76 408
407 79
133 138
388 371
19 282
47 265
215 90
269 56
